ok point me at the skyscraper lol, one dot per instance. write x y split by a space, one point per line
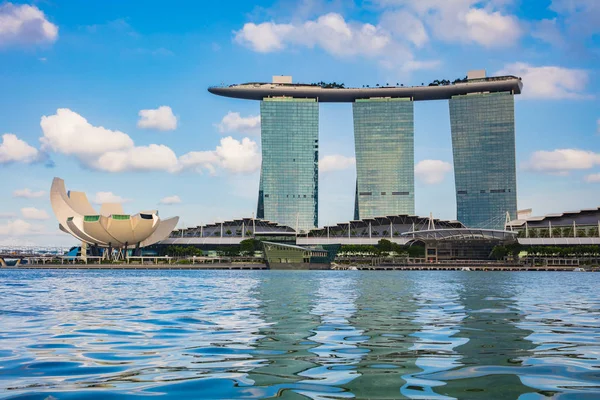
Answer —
290 162
384 147
483 143
483 137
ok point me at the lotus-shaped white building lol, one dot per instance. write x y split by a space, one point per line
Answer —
111 227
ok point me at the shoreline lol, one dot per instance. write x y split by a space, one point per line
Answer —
250 267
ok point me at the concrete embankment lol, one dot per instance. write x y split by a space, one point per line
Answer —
221 266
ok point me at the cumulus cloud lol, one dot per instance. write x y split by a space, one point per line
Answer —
549 82
233 155
161 119
13 149
332 33
109 197
28 193
108 150
561 161
34 213
20 227
432 172
5 215
482 22
154 157
581 16
336 162
69 133
234 122
170 200
25 24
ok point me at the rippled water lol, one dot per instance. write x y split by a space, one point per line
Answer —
299 334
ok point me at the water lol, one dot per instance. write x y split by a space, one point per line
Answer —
299 334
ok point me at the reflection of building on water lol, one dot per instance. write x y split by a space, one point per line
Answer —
440 315
494 344
338 352
385 309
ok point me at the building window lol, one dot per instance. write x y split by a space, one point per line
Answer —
383 193
462 192
366 193
483 191
400 193
266 195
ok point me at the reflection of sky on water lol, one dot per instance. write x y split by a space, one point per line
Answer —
439 314
299 334
565 329
337 351
87 332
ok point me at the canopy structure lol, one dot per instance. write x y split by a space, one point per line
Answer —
110 228
460 243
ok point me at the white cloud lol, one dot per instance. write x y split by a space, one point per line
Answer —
28 193
69 133
468 21
102 149
6 215
549 82
234 122
109 197
154 157
561 161
232 155
336 162
581 16
161 119
34 213
170 200
547 30
341 38
25 24
411 27
19 227
13 149
432 172
593 178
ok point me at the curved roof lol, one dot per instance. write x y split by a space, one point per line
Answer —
258 91
462 234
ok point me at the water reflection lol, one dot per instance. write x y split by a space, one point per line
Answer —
565 330
303 334
86 333
495 345
439 314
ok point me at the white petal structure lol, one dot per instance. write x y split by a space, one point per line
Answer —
111 227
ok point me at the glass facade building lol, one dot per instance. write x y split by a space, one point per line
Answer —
483 144
288 192
384 146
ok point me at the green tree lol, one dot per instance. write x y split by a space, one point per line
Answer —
384 245
249 246
499 252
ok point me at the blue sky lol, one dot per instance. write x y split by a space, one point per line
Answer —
76 77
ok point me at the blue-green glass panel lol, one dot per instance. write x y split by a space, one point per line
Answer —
290 161
384 146
483 143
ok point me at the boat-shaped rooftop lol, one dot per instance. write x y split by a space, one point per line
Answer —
334 93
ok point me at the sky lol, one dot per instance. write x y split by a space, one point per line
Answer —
112 97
